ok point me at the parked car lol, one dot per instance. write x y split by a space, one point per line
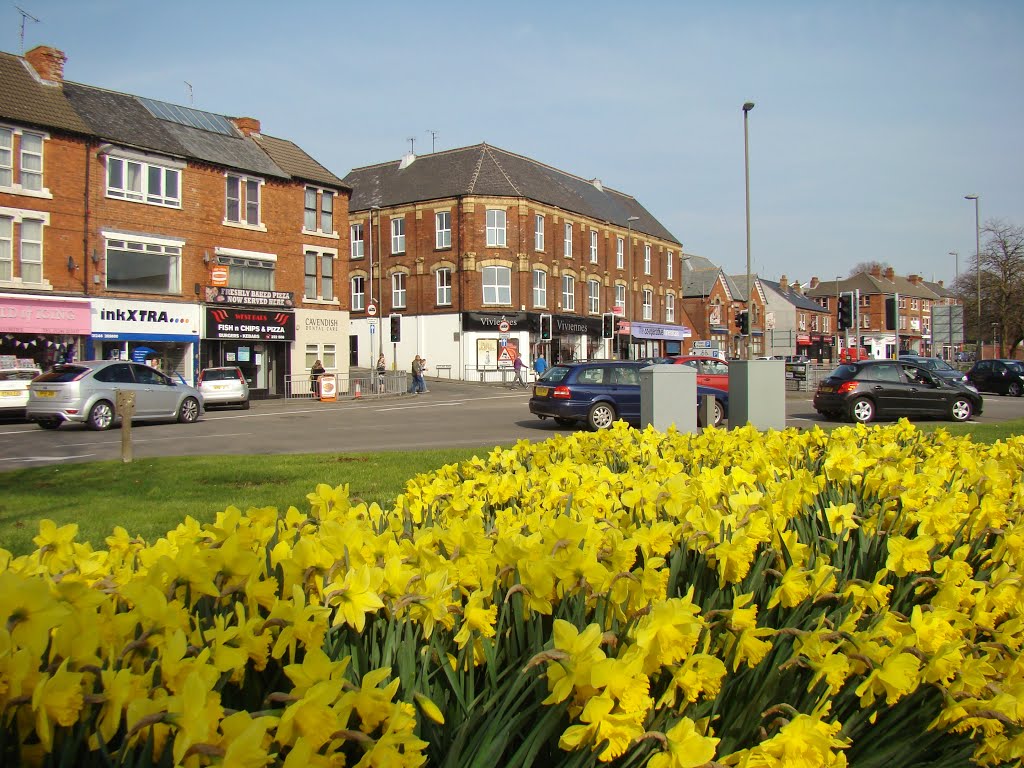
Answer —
1003 376
939 367
86 393
599 393
14 390
711 371
225 385
656 360
869 389
797 359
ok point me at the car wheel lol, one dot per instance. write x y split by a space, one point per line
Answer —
961 409
862 410
601 416
189 411
719 413
49 423
245 406
101 416
1014 390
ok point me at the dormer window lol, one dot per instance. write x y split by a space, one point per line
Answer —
143 181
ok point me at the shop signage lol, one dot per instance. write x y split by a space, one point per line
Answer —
219 275
120 319
44 316
249 297
483 321
658 331
249 324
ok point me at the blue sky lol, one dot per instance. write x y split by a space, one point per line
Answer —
872 119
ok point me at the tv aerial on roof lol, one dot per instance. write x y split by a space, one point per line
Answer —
25 16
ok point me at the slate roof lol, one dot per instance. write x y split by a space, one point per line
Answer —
25 99
121 118
798 300
297 163
869 284
486 170
700 281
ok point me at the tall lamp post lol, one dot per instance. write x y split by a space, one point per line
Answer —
629 288
977 262
380 289
746 180
956 279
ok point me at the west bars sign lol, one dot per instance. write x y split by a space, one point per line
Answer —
249 324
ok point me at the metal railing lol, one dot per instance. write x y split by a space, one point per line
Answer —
300 386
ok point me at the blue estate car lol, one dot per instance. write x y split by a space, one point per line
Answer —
600 392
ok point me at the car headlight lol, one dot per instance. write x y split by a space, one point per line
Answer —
971 387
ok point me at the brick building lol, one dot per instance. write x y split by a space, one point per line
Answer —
474 246
916 300
135 228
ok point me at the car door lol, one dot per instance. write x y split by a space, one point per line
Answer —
927 393
713 373
890 391
981 375
624 386
156 396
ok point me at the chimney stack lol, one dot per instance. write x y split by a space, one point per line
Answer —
890 274
249 126
876 270
814 283
48 63
783 284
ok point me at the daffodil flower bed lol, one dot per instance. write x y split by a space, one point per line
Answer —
627 598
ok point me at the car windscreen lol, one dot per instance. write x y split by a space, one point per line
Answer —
62 374
555 374
220 374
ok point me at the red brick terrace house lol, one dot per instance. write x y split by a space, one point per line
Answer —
477 247
134 228
915 311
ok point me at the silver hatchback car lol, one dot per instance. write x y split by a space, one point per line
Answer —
224 386
86 392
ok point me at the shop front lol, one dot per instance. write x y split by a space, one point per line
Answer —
658 340
162 334
575 338
320 335
259 341
47 330
493 339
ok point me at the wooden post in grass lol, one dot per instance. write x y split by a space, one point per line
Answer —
126 407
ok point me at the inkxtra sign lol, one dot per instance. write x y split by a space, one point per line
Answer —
249 324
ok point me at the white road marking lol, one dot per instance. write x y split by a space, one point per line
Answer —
48 458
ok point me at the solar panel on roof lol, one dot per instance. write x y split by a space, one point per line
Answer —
193 118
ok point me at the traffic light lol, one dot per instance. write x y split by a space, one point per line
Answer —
737 321
545 327
845 312
745 323
890 313
607 326
396 328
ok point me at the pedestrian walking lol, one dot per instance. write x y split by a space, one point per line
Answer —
517 366
540 365
418 384
315 373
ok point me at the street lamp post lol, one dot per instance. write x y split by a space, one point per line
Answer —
629 288
977 262
746 180
380 273
956 279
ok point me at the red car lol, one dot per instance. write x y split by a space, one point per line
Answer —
711 371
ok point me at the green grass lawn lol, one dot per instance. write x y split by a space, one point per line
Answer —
151 496
148 497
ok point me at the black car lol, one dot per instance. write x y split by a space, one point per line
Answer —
868 389
600 392
1003 376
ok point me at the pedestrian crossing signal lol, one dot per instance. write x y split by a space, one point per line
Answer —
396 328
545 327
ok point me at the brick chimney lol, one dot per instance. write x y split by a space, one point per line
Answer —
48 63
783 284
249 126
915 279
814 283
876 270
797 289
890 274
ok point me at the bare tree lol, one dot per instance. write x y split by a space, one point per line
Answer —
1002 279
867 266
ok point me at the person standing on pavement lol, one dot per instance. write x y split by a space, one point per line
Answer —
382 367
314 377
540 365
517 366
